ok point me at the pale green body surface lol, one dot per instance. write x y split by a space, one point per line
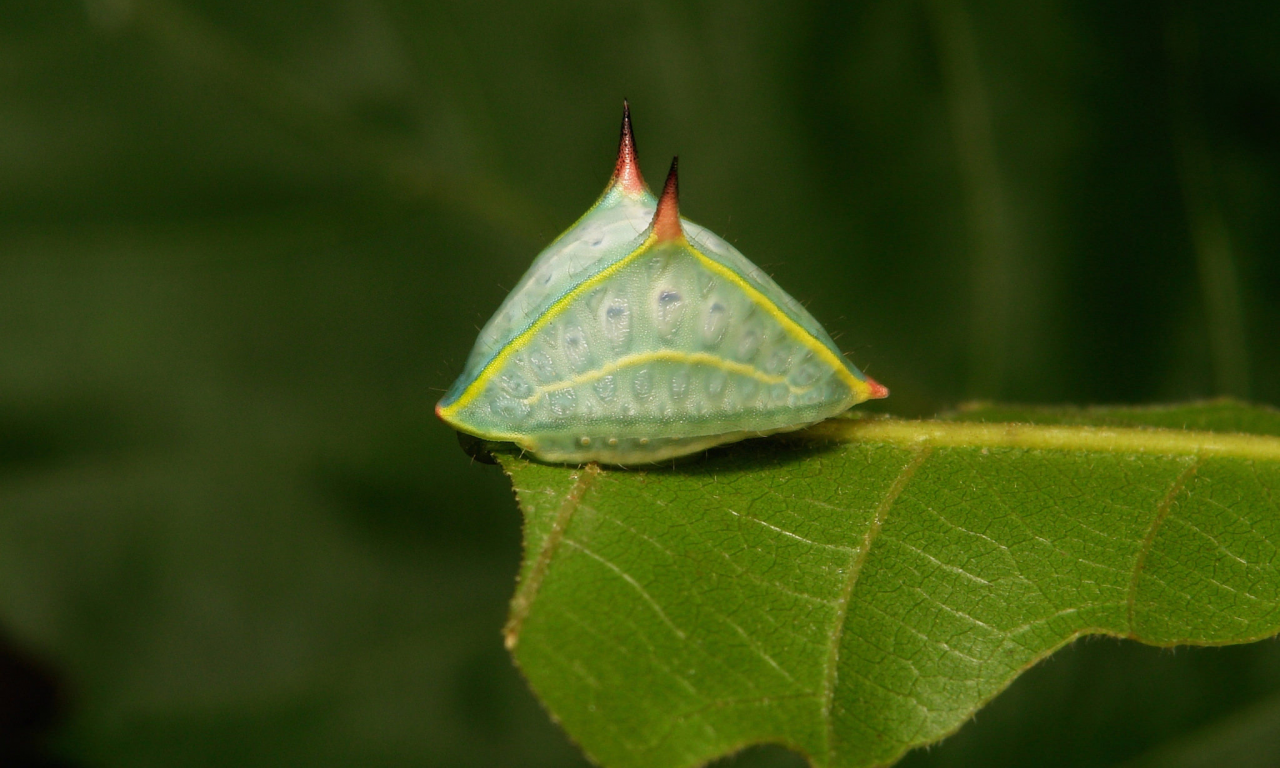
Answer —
622 347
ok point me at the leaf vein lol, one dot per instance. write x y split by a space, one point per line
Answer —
1162 511
528 592
789 534
857 561
634 584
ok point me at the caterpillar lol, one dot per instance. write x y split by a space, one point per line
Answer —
638 336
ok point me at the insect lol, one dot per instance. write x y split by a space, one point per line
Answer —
638 336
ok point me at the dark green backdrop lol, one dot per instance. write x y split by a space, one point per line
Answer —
244 246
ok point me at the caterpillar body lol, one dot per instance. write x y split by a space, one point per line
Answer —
638 336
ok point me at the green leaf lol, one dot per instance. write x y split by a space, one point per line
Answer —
863 587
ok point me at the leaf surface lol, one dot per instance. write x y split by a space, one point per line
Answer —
863 587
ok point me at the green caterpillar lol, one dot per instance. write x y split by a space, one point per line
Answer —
639 336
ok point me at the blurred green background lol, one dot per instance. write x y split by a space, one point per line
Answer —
245 245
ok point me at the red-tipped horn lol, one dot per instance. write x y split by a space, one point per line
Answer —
666 221
627 171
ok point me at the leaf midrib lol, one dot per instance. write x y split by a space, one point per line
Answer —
1144 440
